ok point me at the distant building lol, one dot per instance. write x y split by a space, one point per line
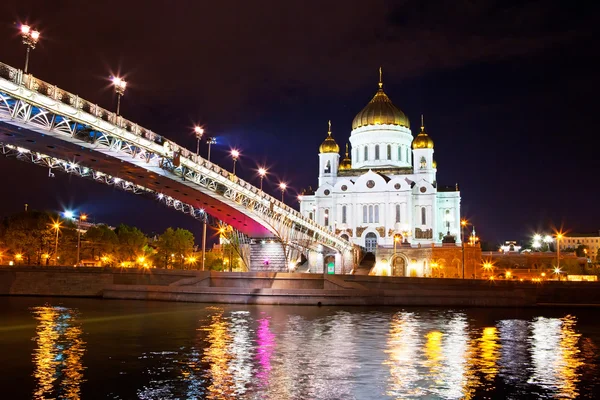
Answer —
510 246
573 240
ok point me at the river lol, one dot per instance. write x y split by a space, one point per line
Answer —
68 348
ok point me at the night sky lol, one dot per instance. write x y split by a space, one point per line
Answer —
509 91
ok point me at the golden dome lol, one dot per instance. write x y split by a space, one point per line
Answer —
434 164
422 141
380 111
329 145
346 162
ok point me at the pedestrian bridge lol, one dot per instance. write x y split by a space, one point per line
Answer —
45 125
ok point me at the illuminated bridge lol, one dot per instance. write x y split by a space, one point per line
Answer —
53 128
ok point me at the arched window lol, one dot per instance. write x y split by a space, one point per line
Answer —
377 152
343 214
407 157
423 163
327 167
389 151
399 153
447 218
397 212
310 216
376 214
366 153
365 214
423 216
326 217
370 214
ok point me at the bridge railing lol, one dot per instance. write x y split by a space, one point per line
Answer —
32 83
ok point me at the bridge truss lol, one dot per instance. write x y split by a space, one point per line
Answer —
37 106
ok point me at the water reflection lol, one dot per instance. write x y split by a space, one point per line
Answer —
57 356
217 357
236 353
265 345
556 356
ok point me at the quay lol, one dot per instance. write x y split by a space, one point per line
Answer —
290 288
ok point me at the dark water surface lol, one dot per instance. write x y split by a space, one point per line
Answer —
53 348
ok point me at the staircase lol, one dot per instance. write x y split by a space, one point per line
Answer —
366 264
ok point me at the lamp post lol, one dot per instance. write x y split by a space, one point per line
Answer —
262 171
235 154
82 217
463 223
203 237
559 236
56 226
210 141
198 131
282 187
30 38
120 86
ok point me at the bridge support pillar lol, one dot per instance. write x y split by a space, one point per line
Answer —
315 262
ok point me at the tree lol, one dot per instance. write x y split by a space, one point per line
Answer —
173 246
99 240
131 242
30 234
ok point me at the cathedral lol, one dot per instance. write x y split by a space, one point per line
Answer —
383 194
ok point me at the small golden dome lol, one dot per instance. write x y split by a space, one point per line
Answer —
346 162
329 145
422 141
380 111
434 163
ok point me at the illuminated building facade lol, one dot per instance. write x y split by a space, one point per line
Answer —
383 194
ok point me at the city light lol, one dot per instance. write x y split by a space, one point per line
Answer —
30 38
235 154
282 187
262 172
69 214
120 86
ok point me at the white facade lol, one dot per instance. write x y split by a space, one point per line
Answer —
389 189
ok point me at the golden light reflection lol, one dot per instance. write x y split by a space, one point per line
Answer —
57 357
489 352
434 355
218 358
569 360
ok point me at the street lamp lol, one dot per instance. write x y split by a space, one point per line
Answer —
282 187
120 86
199 132
204 221
463 223
30 38
56 225
559 236
82 217
210 141
262 171
557 272
537 241
235 154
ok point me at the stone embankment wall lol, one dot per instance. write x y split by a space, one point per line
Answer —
286 288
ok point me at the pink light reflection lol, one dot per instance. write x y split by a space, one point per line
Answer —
266 344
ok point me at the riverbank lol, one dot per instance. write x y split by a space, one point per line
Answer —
289 289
